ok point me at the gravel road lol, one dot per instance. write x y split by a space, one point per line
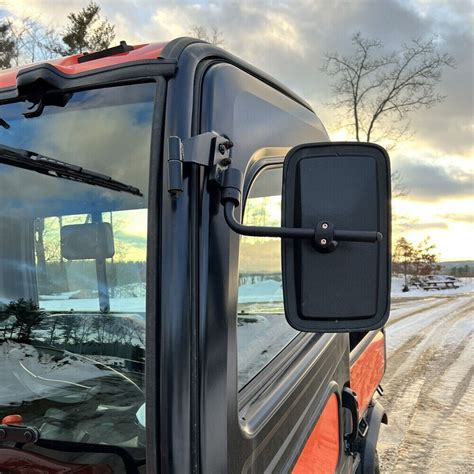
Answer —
428 386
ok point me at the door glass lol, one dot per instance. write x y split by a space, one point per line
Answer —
262 330
72 270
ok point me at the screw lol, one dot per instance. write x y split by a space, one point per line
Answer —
222 148
324 241
225 161
28 436
325 225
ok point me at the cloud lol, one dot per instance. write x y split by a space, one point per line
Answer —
428 181
464 218
288 40
429 225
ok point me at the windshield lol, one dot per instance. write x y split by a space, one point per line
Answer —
73 267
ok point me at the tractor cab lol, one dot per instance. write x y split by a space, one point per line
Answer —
193 278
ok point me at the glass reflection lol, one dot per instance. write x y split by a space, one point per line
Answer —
70 367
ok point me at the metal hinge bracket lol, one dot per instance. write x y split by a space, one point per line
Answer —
207 149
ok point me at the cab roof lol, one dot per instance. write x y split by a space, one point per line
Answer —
70 65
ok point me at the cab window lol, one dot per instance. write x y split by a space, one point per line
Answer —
262 330
73 266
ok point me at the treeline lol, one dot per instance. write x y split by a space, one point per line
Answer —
23 321
462 271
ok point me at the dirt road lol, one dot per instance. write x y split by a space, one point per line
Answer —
429 393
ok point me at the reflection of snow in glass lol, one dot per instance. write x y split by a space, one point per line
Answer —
77 374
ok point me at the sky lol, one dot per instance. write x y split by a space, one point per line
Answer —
289 40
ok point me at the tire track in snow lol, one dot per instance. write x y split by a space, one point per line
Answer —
421 436
412 311
417 360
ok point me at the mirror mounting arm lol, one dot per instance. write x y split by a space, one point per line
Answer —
325 237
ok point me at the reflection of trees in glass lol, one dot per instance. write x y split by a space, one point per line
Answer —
55 276
27 316
263 211
51 269
261 255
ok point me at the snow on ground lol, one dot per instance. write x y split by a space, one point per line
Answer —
272 290
429 393
136 305
131 298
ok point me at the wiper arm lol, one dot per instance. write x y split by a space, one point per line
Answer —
31 435
32 161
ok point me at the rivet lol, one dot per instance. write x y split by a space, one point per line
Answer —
324 241
325 225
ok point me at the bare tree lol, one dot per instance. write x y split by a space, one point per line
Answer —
211 35
33 40
380 90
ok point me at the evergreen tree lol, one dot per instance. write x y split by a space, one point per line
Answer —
87 31
7 46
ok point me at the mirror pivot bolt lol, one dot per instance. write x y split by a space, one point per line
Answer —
324 241
325 226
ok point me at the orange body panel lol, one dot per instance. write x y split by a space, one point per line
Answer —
69 65
321 451
367 371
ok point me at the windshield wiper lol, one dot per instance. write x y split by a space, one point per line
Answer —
32 161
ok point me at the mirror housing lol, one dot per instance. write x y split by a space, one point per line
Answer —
339 281
87 241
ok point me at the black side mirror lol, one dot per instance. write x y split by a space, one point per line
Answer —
87 241
336 235
340 280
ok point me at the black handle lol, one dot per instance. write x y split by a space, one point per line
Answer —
358 236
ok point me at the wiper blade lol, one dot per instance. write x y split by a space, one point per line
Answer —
32 161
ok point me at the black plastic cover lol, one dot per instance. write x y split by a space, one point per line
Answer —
347 185
87 241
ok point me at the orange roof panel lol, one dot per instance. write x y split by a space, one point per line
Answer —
69 64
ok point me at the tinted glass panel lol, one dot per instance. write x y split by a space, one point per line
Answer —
262 329
72 331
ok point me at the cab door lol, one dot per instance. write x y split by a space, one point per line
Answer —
270 398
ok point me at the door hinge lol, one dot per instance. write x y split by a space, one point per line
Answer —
207 149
